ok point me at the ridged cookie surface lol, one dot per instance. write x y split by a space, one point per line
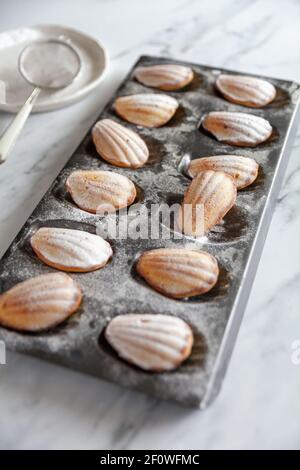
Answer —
146 109
240 129
118 145
248 91
243 170
70 250
207 200
166 77
178 272
100 191
152 342
39 303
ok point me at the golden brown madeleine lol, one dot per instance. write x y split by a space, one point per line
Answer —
248 91
118 145
166 77
40 303
212 194
240 129
100 191
146 109
178 272
70 250
243 170
155 343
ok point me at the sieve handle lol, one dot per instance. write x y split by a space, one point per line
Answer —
11 134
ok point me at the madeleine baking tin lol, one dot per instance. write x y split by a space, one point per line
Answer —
115 290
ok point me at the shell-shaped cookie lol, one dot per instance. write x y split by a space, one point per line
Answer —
155 343
178 272
118 145
207 200
248 91
39 303
240 129
243 170
146 109
100 191
166 77
70 250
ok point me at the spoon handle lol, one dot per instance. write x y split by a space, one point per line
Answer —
11 134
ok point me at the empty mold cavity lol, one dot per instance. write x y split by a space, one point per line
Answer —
233 227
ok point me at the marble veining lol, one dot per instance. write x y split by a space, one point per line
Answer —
45 406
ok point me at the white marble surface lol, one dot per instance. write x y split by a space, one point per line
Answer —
44 406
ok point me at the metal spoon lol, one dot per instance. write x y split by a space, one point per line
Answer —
52 65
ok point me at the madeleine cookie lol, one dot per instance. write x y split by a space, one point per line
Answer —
146 109
40 303
207 200
243 170
248 91
240 129
168 77
100 191
178 272
155 343
70 250
118 145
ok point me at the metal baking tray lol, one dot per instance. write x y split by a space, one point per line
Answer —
237 244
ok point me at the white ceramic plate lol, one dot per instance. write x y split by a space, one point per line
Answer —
94 63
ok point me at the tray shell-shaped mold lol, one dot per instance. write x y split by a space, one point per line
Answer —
168 77
216 316
240 129
70 250
119 145
157 343
245 90
214 192
146 109
178 272
39 303
100 191
243 170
